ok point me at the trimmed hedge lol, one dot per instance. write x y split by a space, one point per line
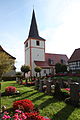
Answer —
9 78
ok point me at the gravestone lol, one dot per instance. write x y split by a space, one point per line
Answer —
17 79
74 93
48 89
61 83
69 81
41 85
20 81
57 89
36 83
78 80
45 81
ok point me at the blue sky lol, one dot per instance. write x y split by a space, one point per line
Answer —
58 22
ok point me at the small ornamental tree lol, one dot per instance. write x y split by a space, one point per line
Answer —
38 70
19 77
25 69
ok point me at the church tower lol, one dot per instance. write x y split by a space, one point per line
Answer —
34 46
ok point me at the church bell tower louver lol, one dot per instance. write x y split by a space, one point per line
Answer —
34 46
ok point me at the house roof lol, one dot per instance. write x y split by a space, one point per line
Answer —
56 58
2 50
42 64
75 56
33 32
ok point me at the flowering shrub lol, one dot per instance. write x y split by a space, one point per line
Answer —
35 116
68 89
29 83
10 90
19 115
4 116
24 110
25 105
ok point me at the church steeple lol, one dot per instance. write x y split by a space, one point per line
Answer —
33 32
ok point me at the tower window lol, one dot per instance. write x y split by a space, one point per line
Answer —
37 43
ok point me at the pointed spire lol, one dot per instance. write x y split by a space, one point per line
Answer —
33 28
33 32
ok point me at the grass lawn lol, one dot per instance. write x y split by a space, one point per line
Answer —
48 105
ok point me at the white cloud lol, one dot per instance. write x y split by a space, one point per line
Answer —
65 37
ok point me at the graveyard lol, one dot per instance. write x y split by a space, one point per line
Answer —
56 98
47 85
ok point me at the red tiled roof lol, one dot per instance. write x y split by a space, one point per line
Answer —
56 58
75 56
2 50
42 64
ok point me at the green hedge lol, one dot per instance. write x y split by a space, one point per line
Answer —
8 78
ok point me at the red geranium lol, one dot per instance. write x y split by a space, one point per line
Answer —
25 105
34 116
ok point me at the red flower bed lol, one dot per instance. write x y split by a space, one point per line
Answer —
24 110
19 115
25 105
34 116
10 90
29 83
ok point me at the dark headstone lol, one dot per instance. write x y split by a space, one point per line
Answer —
36 83
41 85
57 89
74 92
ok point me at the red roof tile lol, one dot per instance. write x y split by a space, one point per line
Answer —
75 56
42 64
56 58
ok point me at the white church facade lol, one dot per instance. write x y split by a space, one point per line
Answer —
35 52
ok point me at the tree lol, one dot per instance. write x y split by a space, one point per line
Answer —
6 63
37 70
58 67
64 68
25 69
